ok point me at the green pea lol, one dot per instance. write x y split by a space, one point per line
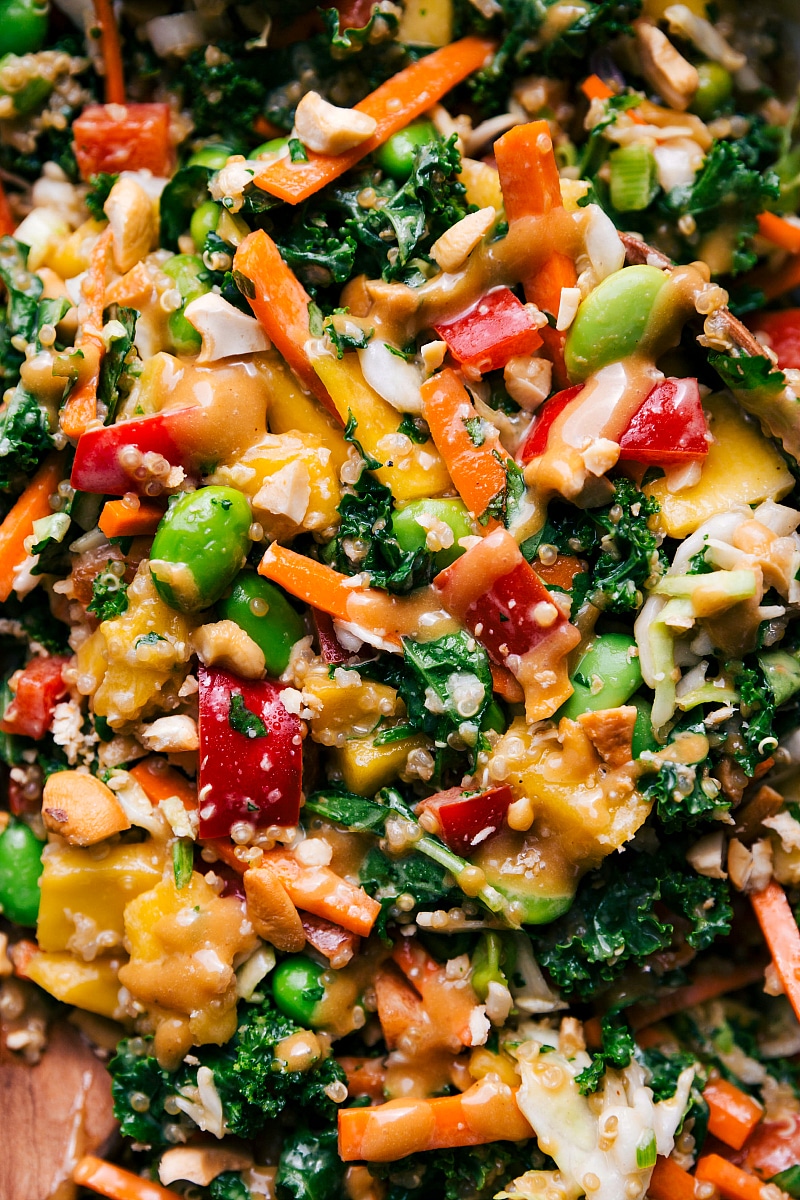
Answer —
261 609
716 85
200 546
269 149
396 156
32 95
643 736
24 26
411 535
205 219
192 280
606 676
486 964
183 335
20 868
297 988
612 320
214 156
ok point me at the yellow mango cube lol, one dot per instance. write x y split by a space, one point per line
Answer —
742 467
93 986
426 23
352 711
482 182
291 410
70 256
366 768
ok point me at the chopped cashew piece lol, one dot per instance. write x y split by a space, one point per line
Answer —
456 243
326 129
528 380
132 218
664 68
170 734
273 915
610 730
225 644
567 307
81 808
708 40
706 855
226 332
201 1164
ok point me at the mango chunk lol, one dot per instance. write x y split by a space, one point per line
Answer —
742 467
366 767
93 986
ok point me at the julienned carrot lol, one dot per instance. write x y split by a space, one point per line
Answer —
505 685
308 580
111 1181
732 1114
706 987
7 222
782 936
119 520
453 1007
478 472
365 1076
478 1116
670 1182
81 405
393 105
779 231
280 302
33 504
595 88
160 781
775 282
732 1182
111 52
399 1005
321 891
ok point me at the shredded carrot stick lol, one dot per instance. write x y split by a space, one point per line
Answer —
505 685
226 851
33 504
670 1182
775 282
280 302
595 88
393 105
308 580
476 1117
114 1183
733 1183
7 222
732 1114
160 781
399 1005
81 405
453 1008
478 472
111 51
782 936
365 1076
320 891
779 231
706 987
118 520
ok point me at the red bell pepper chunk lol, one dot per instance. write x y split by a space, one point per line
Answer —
124 137
497 328
536 441
39 688
330 647
782 330
668 427
254 777
468 819
97 466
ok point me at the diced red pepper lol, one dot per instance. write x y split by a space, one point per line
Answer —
536 441
782 331
338 945
330 647
467 820
772 1147
124 137
246 777
497 328
354 14
97 466
668 427
39 688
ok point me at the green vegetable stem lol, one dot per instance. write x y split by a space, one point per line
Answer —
200 546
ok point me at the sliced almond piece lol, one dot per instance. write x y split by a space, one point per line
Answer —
274 917
81 808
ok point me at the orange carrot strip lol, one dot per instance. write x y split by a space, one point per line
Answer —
453 1008
7 222
733 1183
732 1114
265 129
775 282
118 520
226 851
505 685
670 1182
779 231
314 582
476 472
116 1184
159 781
595 88
33 504
652 1035
81 405
281 304
321 891
707 987
782 937
365 1076
111 51
592 1032
393 105
399 1005
478 1116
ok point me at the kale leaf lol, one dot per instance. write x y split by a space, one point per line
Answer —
23 290
309 1167
345 42
109 595
476 1172
24 436
757 709
100 186
185 191
243 720
617 1050
434 681
110 388
229 1186
747 372
684 794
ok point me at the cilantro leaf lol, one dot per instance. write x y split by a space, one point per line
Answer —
747 373
243 720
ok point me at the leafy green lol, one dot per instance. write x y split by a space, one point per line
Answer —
747 373
617 1050
474 1173
434 681
309 1167
297 151
181 196
229 1186
242 720
23 292
24 436
345 42
112 369
350 339
217 87
109 595
350 428
757 708
99 188
664 1072
684 794
503 506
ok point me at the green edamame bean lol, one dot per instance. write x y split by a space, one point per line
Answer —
269 149
205 219
643 736
214 156
297 988
612 320
199 547
191 280
20 868
396 156
716 85
411 535
261 609
606 676
24 26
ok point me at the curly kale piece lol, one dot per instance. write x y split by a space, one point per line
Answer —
619 917
309 1167
466 1173
757 707
685 794
100 187
617 1050
229 1186
109 595
24 436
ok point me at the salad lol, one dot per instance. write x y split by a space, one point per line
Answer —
400 577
